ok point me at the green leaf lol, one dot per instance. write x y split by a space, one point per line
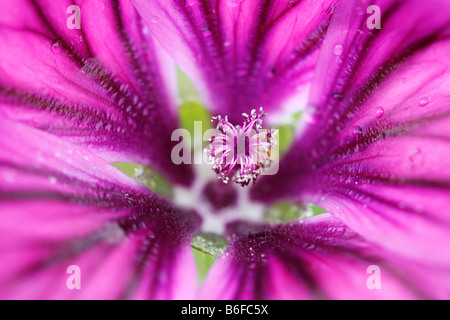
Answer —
207 247
191 108
285 137
316 210
127 167
209 243
186 88
154 181
148 177
204 262
285 211
286 133
191 111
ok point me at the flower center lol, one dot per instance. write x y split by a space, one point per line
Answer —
219 196
216 203
241 153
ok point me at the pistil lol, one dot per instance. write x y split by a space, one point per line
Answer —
240 154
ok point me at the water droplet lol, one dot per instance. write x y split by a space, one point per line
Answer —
291 3
226 43
206 32
338 50
416 158
359 11
379 112
56 46
324 196
357 132
154 19
423 102
337 96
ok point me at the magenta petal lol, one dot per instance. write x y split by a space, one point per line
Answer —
62 206
103 86
375 146
241 54
315 258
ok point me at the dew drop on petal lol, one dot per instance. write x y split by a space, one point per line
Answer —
338 50
337 96
423 102
206 32
359 11
357 131
154 19
416 158
56 46
379 112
